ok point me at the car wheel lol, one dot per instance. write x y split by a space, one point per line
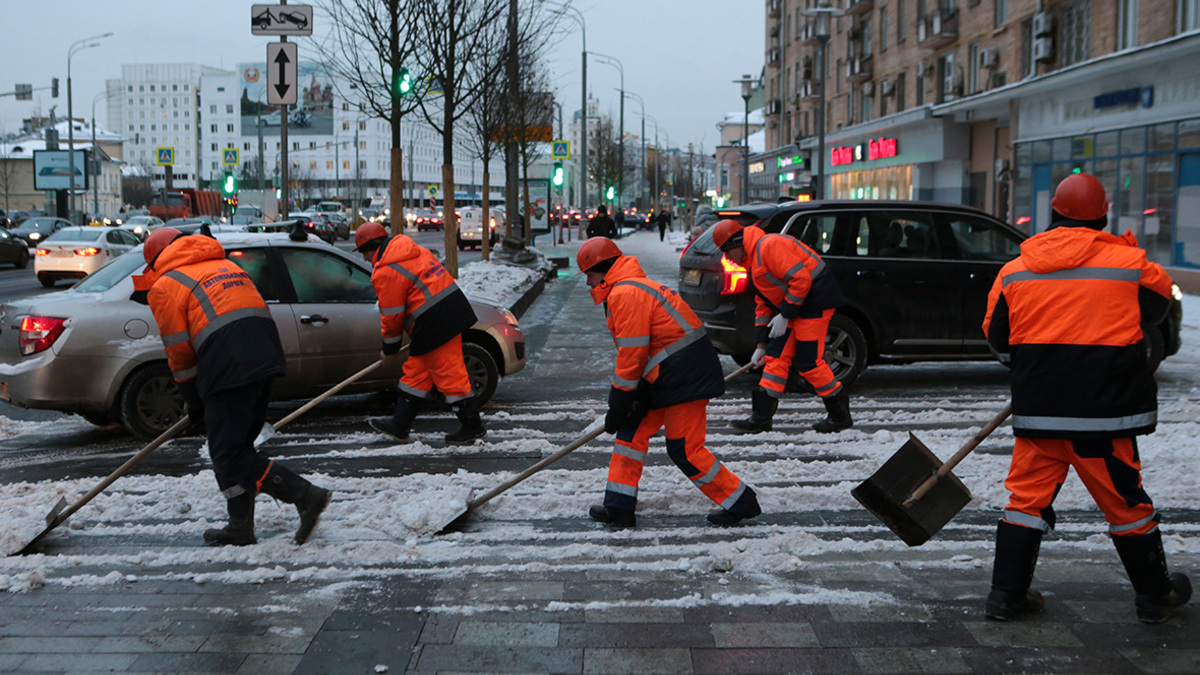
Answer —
22 259
149 402
845 349
1156 346
46 280
482 371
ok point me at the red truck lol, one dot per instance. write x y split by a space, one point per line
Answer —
186 204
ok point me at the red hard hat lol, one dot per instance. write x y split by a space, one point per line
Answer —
724 231
596 250
157 241
1080 197
368 232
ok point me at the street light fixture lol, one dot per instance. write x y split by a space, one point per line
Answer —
748 84
615 62
577 16
642 167
77 46
823 16
95 157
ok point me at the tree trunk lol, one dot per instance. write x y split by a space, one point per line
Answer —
486 246
449 218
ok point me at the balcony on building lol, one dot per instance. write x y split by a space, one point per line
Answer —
859 7
938 28
772 56
808 89
808 33
858 68
773 7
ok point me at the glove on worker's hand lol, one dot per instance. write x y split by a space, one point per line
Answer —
760 357
195 415
625 408
778 326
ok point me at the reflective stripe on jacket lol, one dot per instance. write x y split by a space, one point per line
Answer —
787 276
198 295
1066 316
417 296
659 338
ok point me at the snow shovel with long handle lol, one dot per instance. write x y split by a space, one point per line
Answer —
914 493
589 434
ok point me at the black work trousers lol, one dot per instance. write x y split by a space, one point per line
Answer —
234 417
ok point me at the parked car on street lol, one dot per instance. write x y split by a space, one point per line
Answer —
37 228
141 225
13 250
75 252
915 276
90 350
340 223
427 219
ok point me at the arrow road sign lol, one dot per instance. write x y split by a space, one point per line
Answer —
281 73
281 19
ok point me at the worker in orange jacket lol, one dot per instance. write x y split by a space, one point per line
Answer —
1066 317
666 371
224 352
795 298
418 297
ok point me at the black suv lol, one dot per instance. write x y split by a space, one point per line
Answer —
916 276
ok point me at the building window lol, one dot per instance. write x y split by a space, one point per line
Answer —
328 164
900 19
920 89
899 92
185 87
229 128
362 126
212 109
312 145
213 128
1189 15
174 87
1028 68
345 126
866 37
131 91
868 102
214 147
312 165
973 67
346 164
1073 36
229 109
151 89
1127 18
153 127
883 18
246 147
141 87
1000 14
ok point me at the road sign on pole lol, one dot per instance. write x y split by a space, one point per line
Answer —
165 156
281 19
560 150
229 156
281 73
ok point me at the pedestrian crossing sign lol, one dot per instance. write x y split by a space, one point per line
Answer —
166 156
560 150
229 156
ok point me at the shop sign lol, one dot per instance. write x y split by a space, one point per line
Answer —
880 148
788 161
758 167
1143 96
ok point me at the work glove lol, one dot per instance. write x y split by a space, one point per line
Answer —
760 357
389 359
778 326
195 415
625 408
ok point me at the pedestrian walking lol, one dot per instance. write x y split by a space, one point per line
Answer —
662 225
795 298
619 220
418 297
600 225
1066 317
666 371
224 352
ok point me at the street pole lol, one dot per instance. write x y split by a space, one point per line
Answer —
824 16
616 63
747 83
77 46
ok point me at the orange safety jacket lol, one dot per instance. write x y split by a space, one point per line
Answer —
660 340
417 296
215 327
788 276
1066 316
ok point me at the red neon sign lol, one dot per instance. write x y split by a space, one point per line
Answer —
841 156
881 148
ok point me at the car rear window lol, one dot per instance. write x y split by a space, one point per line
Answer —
76 234
111 274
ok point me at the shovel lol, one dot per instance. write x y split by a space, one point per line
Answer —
917 514
592 431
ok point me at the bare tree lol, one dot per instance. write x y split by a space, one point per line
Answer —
533 110
372 44
484 120
138 189
8 176
604 156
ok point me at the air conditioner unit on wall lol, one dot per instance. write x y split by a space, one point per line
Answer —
1043 24
922 69
953 84
868 89
887 87
1043 49
988 58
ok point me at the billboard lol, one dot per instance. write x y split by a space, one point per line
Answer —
311 116
52 170
539 201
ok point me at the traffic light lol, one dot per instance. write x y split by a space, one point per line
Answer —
403 83
54 87
610 193
278 193
230 185
557 176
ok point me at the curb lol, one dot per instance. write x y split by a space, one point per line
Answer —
523 303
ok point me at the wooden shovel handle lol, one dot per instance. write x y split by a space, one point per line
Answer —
332 390
946 468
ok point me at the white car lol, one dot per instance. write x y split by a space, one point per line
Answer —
470 227
141 225
75 252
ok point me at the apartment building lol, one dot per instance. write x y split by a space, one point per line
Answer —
992 102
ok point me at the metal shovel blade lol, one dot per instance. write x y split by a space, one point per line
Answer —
887 494
457 518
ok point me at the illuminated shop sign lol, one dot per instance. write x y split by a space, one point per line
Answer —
758 167
788 161
878 148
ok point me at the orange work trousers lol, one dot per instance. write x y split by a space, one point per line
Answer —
685 429
805 343
1109 468
442 368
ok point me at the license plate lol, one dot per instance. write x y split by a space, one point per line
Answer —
61 253
692 277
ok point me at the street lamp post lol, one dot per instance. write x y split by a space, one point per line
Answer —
77 46
642 140
614 61
823 15
96 183
747 83
577 16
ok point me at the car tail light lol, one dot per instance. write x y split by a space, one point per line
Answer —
734 278
90 251
38 333
41 251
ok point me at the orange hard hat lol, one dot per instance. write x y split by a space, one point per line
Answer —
726 230
1080 197
596 250
157 241
367 233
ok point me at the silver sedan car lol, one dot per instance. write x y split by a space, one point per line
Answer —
91 350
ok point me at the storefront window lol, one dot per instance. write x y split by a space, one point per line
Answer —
1106 173
1041 151
1062 149
1024 153
891 182
1106 144
1133 141
1160 205
1189 134
1130 199
1162 137
1022 196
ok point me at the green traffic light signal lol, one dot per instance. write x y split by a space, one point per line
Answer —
403 82
557 177
610 193
230 184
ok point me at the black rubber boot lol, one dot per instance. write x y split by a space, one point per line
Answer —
762 409
612 517
1017 550
401 421
471 425
240 529
838 417
287 486
1159 594
745 507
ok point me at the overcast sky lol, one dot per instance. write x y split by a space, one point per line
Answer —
680 56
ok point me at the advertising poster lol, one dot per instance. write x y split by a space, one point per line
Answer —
539 200
311 116
52 170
